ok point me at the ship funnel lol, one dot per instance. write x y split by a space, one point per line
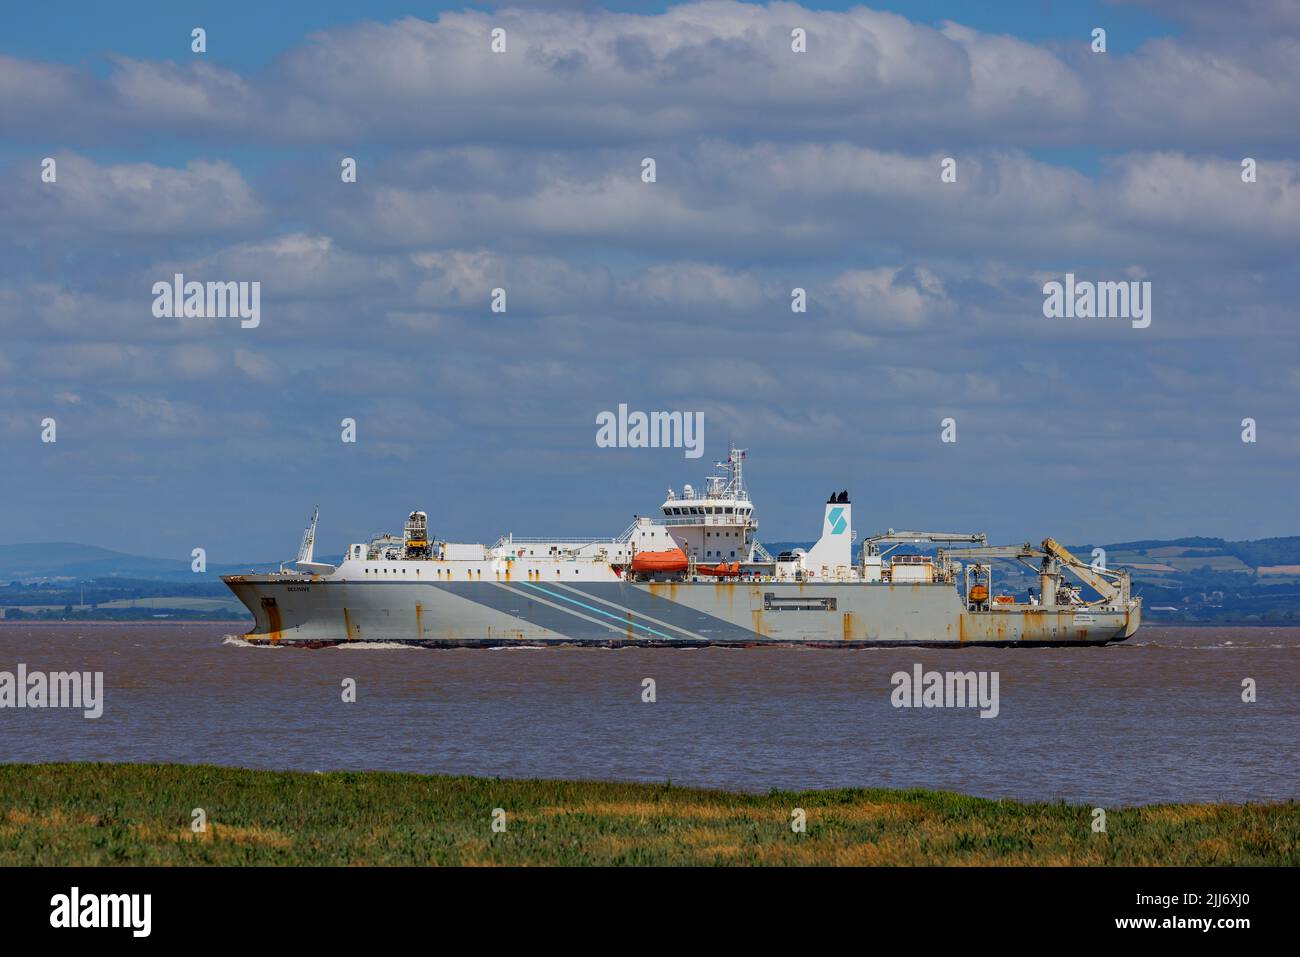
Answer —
835 548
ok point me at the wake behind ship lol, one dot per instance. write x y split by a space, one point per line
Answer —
697 576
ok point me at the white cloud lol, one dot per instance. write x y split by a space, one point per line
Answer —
589 76
130 199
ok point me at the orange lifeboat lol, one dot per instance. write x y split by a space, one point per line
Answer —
672 560
719 570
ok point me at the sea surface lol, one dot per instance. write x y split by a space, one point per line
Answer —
1159 718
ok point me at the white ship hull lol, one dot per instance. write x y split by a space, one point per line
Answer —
690 614
695 577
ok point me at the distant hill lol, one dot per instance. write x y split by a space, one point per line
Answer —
68 560
1182 579
1177 554
1162 562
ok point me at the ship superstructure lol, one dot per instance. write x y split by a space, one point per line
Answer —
694 575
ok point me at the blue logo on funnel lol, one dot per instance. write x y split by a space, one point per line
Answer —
838 521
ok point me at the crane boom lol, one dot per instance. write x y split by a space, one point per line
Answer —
894 539
308 546
1112 586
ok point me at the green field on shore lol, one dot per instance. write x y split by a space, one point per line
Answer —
97 814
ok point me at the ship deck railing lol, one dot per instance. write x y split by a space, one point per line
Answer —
553 540
744 521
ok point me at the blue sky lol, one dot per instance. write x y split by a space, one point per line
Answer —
522 171
79 32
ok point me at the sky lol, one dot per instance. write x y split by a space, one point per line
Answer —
523 171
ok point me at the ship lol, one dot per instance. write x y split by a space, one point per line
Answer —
695 575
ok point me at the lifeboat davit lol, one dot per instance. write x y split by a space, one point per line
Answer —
672 560
719 570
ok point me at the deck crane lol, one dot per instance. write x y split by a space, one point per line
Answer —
308 546
893 539
1051 559
306 551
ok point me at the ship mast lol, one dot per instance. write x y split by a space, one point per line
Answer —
734 466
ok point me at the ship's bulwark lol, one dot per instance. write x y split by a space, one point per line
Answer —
685 614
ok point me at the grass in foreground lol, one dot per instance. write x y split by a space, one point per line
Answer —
95 814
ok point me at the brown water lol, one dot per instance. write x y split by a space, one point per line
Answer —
1159 718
